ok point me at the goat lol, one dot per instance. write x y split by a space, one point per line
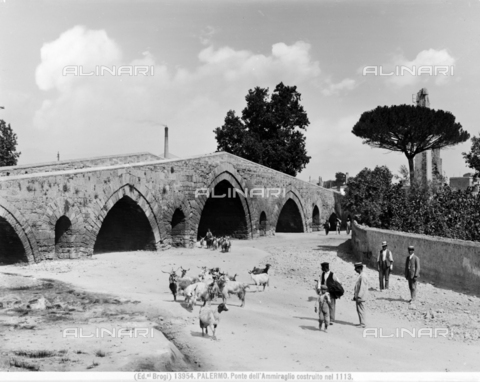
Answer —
184 282
258 271
261 279
226 244
215 243
206 275
200 291
210 318
232 278
201 242
172 279
184 272
228 287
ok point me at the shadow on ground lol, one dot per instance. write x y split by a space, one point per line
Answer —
344 250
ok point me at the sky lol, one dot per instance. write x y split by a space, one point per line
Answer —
203 56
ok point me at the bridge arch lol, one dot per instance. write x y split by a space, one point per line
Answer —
56 213
127 210
263 224
63 237
291 207
316 218
177 219
17 236
224 181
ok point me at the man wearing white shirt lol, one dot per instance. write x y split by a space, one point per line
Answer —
384 265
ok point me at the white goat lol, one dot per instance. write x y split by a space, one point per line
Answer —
210 317
228 287
200 291
261 279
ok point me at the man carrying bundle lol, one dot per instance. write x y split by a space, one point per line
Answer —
330 283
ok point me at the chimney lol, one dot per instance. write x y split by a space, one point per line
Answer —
165 150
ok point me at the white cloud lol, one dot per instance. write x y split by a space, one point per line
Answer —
430 58
100 115
346 84
77 46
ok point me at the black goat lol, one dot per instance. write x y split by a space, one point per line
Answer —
172 280
257 271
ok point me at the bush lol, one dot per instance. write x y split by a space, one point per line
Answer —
434 211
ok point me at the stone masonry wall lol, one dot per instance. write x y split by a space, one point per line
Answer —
33 203
446 262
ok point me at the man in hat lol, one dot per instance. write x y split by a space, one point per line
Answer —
412 272
325 284
384 265
360 294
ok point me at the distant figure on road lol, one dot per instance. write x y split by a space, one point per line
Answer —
326 225
360 294
384 265
339 225
323 305
349 225
412 272
209 238
329 282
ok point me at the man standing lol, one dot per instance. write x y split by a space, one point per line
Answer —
326 225
325 283
360 294
384 265
412 272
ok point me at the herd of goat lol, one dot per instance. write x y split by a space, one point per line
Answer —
214 243
210 284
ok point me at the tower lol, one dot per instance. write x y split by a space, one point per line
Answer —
426 169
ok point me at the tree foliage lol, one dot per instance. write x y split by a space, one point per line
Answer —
403 175
8 145
365 195
473 157
434 211
340 178
269 130
409 129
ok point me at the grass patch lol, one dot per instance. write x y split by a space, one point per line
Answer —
100 353
35 353
24 365
94 364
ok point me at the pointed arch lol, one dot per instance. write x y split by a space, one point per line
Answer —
134 201
15 226
263 224
316 221
291 196
227 174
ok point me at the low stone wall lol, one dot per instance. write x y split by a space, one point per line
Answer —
75 164
446 262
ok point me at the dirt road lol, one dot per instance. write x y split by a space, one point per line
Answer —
277 330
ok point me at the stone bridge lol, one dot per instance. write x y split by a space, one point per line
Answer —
72 209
